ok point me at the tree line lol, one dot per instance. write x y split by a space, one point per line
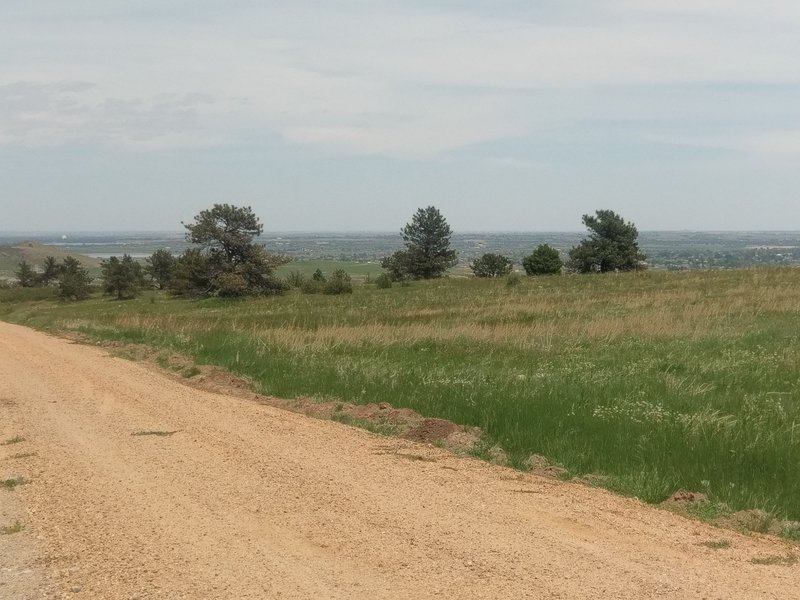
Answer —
225 261
610 246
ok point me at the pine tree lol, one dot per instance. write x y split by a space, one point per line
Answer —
428 253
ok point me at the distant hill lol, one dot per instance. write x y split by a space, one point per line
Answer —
12 255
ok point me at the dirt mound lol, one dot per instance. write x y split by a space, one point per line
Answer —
219 380
402 422
431 430
755 520
684 498
385 413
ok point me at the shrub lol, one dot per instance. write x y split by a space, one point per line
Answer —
295 279
231 285
318 276
545 260
383 281
491 265
339 283
311 287
396 265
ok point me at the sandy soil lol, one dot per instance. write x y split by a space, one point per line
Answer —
249 501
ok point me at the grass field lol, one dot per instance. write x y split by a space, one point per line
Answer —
358 270
660 381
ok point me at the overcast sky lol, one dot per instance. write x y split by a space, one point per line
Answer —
348 115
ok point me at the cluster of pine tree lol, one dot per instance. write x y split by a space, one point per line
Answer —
69 276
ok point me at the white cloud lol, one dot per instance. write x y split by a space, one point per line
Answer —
781 10
778 145
374 79
769 146
514 163
50 114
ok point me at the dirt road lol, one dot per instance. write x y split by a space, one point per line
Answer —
248 501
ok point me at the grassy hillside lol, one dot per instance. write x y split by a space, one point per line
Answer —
660 381
358 271
11 256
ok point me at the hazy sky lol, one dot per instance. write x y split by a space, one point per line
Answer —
348 115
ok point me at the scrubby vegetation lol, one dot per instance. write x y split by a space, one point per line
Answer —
657 381
491 265
545 260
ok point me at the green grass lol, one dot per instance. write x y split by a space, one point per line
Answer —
22 455
661 381
357 270
379 428
784 560
14 440
11 529
18 294
10 484
791 531
190 372
717 544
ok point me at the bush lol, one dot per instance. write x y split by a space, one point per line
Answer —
491 265
310 286
318 276
231 285
545 260
396 265
295 279
383 281
339 283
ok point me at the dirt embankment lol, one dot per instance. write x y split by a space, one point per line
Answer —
142 487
